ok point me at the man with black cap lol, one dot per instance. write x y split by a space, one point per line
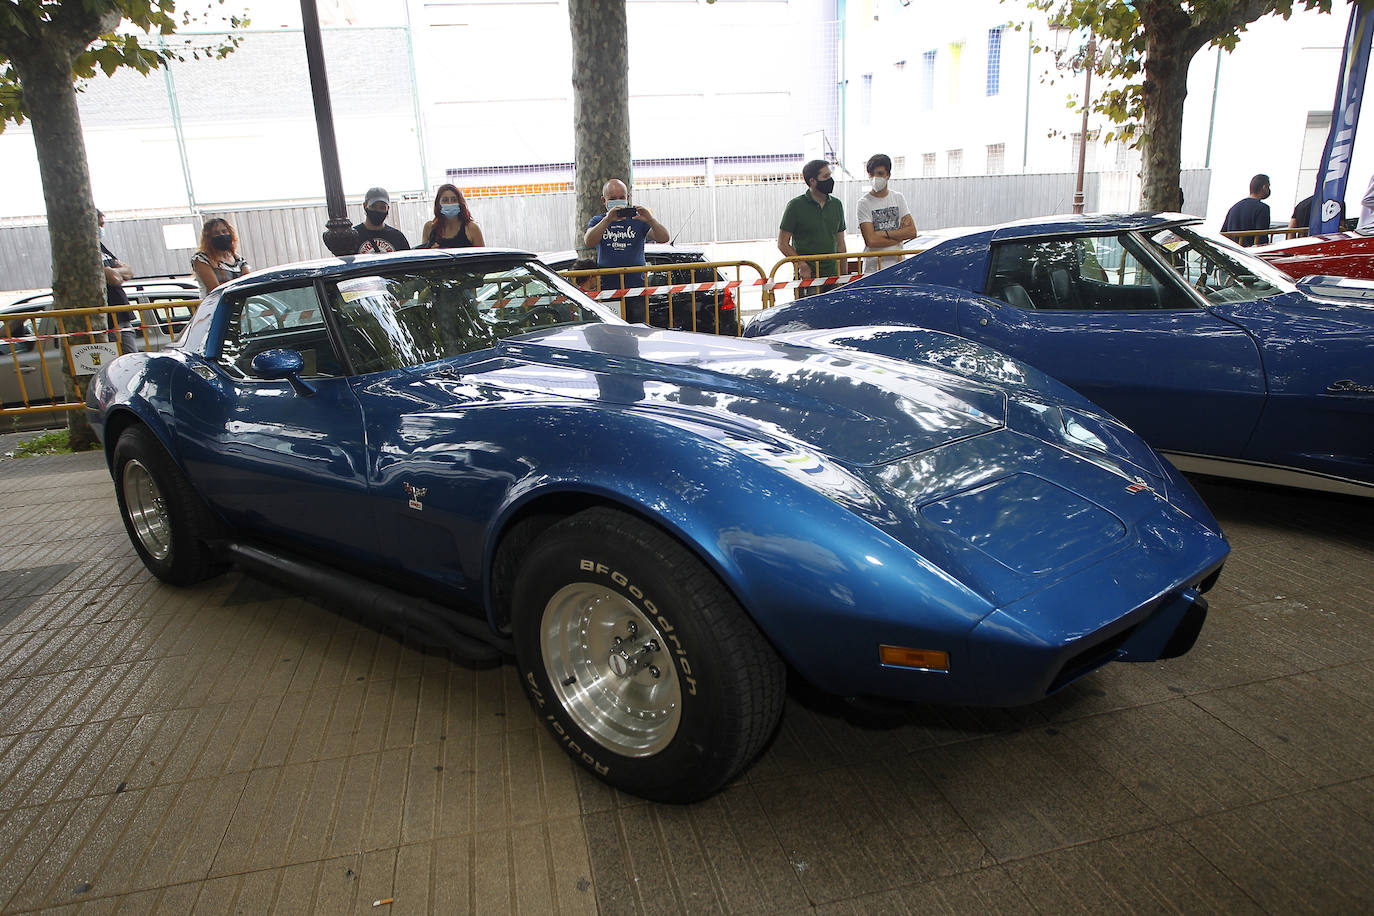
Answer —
373 234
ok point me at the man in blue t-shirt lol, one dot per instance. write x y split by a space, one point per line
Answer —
1250 213
618 235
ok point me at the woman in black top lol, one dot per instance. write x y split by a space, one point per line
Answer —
452 226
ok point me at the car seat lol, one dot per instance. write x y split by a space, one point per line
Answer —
1015 294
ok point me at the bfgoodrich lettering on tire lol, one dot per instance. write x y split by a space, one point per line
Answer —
166 520
639 661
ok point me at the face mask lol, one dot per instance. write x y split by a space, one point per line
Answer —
880 185
376 217
222 242
616 205
102 233
450 211
825 187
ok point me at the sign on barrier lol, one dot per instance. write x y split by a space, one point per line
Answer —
87 359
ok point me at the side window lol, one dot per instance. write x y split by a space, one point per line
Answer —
1089 273
285 319
23 330
1034 275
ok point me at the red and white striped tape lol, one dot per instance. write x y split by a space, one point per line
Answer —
676 289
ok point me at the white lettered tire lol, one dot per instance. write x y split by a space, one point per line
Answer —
639 661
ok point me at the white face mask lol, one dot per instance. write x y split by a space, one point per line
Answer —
616 204
880 185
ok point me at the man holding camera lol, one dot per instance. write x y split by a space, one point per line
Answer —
619 235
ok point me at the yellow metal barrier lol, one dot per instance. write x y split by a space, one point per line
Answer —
1256 233
713 301
846 272
36 344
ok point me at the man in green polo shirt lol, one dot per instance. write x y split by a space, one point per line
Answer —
813 223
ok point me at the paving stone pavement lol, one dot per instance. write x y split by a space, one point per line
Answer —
234 747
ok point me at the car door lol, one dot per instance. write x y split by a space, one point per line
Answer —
1105 316
275 459
427 453
21 365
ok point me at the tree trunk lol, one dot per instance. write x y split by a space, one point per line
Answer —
601 102
78 280
1169 51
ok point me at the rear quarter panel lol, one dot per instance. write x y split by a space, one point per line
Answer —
1319 361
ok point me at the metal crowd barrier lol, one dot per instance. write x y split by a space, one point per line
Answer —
34 346
1266 233
688 296
815 284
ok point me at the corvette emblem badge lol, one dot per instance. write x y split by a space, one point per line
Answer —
416 494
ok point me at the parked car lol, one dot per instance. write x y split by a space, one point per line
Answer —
1211 354
31 354
657 524
1339 254
711 311
150 290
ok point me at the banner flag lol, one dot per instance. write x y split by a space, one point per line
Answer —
1345 117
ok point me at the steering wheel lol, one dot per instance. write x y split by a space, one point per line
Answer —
535 316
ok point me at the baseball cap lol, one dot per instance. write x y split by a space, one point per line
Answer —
375 194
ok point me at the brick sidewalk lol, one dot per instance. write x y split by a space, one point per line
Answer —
235 748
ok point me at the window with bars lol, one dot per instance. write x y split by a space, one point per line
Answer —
928 80
997 158
927 165
866 99
954 162
994 61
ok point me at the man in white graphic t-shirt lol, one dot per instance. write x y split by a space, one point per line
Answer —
884 218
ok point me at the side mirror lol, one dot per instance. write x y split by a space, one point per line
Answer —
282 364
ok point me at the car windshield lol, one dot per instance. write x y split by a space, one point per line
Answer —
398 321
1218 271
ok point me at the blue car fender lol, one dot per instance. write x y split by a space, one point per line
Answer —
137 388
794 539
924 305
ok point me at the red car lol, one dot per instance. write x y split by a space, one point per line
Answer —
1341 254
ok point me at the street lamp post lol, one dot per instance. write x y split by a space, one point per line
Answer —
1083 131
1063 34
339 235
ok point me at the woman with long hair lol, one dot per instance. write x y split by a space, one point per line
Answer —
217 261
452 226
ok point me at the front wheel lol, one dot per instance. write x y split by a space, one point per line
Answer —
639 661
167 523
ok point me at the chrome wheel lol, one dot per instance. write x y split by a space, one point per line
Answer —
611 669
147 510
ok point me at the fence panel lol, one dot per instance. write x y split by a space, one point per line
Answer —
282 233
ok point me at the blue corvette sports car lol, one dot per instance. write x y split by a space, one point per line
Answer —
1215 357
659 526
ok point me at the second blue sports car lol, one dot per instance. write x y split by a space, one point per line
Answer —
1213 356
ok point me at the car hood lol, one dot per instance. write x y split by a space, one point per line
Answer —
855 408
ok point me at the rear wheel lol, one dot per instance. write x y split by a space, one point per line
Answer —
640 662
168 524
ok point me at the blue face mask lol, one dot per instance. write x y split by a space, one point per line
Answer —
450 211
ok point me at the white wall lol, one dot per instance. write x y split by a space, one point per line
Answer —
1279 72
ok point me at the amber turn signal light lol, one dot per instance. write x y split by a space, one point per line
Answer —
902 657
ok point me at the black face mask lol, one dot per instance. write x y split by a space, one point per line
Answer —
376 217
222 242
825 187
